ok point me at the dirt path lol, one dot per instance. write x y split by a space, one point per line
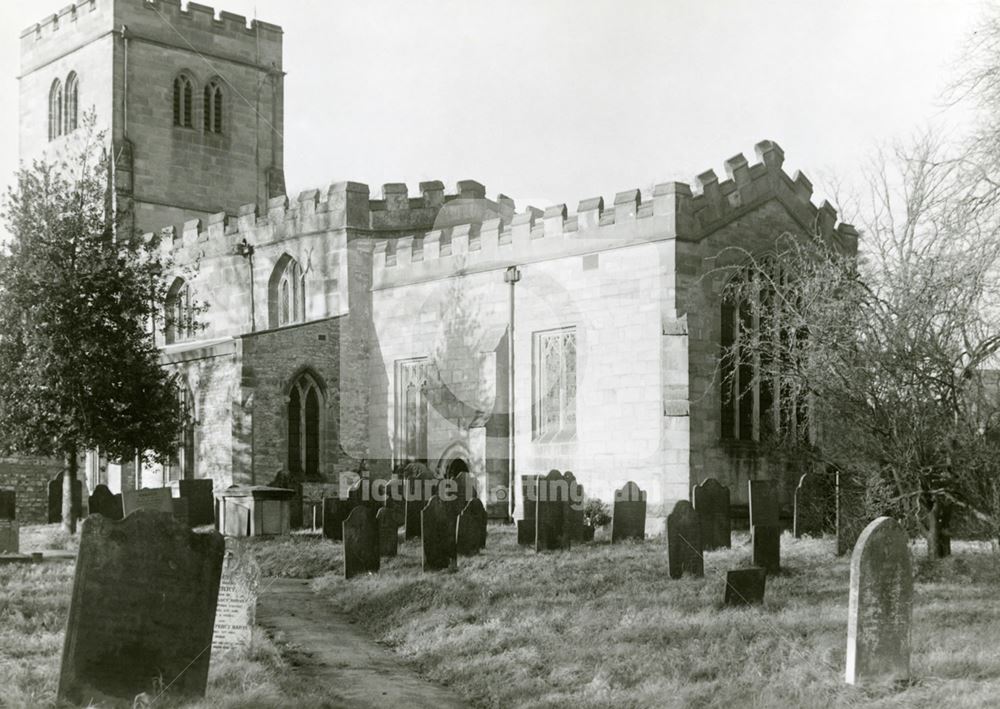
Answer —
328 649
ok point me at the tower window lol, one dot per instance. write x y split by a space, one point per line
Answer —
182 102
55 110
213 108
71 103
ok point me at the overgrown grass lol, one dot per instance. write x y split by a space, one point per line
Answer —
604 626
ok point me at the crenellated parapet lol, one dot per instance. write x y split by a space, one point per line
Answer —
674 210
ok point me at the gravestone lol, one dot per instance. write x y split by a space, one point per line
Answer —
684 546
711 502
471 529
10 536
201 501
576 515
158 498
395 501
103 502
764 503
880 609
142 610
529 495
8 503
237 605
629 518
766 540
335 511
417 492
286 481
745 587
55 493
552 513
237 521
852 513
361 542
388 532
812 506
180 505
438 536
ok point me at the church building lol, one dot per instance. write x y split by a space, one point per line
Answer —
343 331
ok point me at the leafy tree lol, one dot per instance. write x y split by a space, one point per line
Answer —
78 365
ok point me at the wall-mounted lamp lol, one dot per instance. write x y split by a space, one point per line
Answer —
244 249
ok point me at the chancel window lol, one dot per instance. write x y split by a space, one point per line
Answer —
412 405
555 384
213 108
183 93
179 312
305 410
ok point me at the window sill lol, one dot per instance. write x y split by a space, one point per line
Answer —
563 436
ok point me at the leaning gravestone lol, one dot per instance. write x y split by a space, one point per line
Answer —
103 502
576 515
158 498
388 532
361 542
764 503
881 605
529 497
629 518
55 494
852 512
711 502
812 506
552 518
438 536
335 511
766 541
684 546
470 536
142 609
201 501
237 606
745 587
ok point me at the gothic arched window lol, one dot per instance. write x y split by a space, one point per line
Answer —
71 99
213 108
55 110
179 317
287 293
412 397
305 411
182 102
182 465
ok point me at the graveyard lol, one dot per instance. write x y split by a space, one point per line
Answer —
600 624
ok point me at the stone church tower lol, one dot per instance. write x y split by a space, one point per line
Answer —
192 105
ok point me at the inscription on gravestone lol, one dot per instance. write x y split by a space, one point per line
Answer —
552 513
880 608
711 502
745 587
237 605
764 503
361 542
766 540
103 502
471 534
684 541
438 536
388 532
142 609
158 499
629 518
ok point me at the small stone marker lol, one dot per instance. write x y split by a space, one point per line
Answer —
812 506
361 542
684 547
851 514
629 518
201 501
438 536
529 496
142 610
335 511
881 605
552 513
103 502
745 587
766 547
471 534
576 516
8 503
388 532
711 502
158 498
764 510
55 491
237 606
10 536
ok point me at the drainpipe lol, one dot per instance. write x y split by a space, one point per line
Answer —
124 31
511 276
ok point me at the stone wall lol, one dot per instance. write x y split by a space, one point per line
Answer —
30 476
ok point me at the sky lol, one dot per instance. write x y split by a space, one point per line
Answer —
553 101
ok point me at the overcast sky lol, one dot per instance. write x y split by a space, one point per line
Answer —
558 100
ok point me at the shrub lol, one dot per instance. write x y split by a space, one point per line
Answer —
597 513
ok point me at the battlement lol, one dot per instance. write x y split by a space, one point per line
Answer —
65 17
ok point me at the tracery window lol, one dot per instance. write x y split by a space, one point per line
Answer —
412 405
555 383
55 110
71 100
305 410
213 108
179 312
287 294
183 93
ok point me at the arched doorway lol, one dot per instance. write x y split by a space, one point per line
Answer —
456 467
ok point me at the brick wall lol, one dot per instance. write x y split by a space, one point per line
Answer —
30 476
